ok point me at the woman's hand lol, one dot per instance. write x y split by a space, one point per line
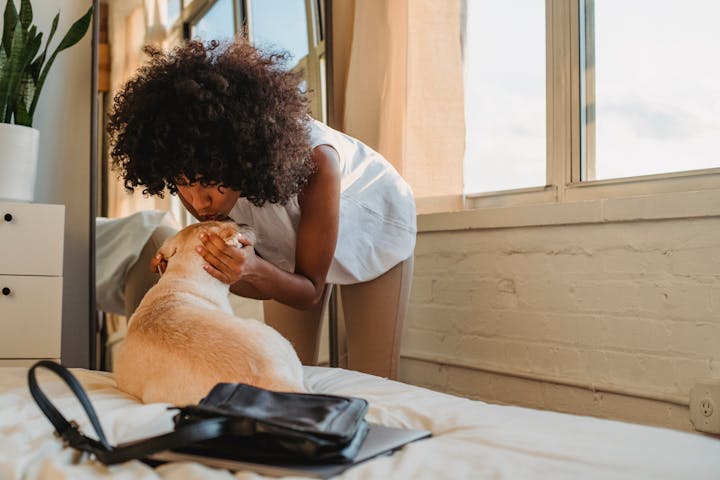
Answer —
227 263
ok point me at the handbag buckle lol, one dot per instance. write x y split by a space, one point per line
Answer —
72 436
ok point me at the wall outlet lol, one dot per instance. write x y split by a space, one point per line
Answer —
705 405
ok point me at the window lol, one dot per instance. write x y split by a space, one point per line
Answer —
173 11
217 23
281 25
578 99
295 27
656 87
504 60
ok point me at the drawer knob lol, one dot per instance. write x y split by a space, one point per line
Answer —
8 217
6 291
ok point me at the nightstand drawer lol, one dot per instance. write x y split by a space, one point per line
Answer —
32 237
30 314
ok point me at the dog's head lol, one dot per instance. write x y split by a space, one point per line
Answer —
186 240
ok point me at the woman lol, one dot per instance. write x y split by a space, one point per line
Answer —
226 129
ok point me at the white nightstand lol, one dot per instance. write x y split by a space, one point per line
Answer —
31 268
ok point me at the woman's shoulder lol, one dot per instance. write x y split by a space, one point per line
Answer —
321 134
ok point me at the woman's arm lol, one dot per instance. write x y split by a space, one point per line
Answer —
251 276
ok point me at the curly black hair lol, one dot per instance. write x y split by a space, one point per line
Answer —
220 114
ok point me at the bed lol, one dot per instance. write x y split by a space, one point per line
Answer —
471 439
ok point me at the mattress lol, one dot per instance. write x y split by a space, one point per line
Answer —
471 439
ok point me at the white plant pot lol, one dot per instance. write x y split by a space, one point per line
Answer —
18 162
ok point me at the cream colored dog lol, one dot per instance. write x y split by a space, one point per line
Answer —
183 338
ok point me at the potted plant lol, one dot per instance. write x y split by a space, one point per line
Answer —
24 68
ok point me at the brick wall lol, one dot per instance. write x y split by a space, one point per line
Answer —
614 320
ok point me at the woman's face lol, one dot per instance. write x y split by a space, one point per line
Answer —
207 202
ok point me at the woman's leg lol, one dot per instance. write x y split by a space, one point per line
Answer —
302 328
374 312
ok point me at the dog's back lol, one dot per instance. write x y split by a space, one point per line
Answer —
183 338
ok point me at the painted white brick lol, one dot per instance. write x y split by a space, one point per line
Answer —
631 371
694 338
425 374
503 389
491 352
439 318
687 370
648 412
482 263
506 355
607 297
422 341
567 399
561 263
422 289
685 300
634 305
436 263
714 303
634 262
523 264
573 328
504 324
547 295
695 262
635 334
569 363
496 388
674 234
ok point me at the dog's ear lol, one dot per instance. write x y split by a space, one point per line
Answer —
247 232
168 248
228 232
233 233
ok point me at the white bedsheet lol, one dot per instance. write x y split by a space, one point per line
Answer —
471 439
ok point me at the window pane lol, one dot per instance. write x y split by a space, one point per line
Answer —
657 86
173 11
504 57
281 25
217 24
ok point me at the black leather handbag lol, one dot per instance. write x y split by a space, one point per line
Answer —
234 421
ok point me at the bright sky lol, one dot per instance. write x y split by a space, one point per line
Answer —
657 90
281 25
218 23
277 25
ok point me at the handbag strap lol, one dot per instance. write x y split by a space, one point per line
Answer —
72 436
69 431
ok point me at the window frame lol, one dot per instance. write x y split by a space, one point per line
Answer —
565 100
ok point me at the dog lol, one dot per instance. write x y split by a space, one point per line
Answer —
183 338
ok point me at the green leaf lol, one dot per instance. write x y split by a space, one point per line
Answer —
34 42
4 76
10 19
29 44
27 90
9 82
74 35
37 64
77 31
26 13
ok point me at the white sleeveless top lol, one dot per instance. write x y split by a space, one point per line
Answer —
377 215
